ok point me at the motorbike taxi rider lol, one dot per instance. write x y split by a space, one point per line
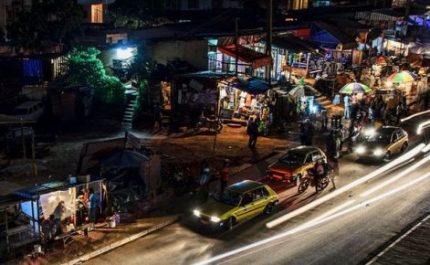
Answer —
318 172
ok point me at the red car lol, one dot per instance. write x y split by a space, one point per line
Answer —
292 166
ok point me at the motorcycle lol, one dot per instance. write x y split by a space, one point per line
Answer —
309 180
212 123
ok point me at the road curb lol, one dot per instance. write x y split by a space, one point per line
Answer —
120 243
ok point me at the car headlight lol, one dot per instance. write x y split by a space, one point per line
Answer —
360 150
378 152
196 212
370 132
215 219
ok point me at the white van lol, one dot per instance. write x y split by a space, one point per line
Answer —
29 110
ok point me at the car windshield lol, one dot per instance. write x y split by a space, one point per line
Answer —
20 111
229 197
292 158
378 138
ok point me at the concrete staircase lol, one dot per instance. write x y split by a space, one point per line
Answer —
325 102
130 110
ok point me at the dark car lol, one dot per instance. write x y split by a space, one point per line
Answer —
382 143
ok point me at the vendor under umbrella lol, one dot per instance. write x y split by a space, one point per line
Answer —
354 87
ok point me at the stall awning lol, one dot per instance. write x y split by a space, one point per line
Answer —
256 59
252 86
294 44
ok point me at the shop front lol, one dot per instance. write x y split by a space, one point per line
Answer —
242 98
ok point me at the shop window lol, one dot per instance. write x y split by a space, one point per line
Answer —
166 95
300 4
97 13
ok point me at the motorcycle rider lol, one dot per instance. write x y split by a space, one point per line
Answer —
318 172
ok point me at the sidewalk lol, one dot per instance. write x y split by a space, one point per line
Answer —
413 247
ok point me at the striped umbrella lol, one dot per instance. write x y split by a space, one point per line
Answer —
401 77
354 87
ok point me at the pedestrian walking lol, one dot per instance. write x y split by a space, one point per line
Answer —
157 117
204 179
252 131
333 163
225 175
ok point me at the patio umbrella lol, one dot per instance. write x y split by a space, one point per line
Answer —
354 87
401 77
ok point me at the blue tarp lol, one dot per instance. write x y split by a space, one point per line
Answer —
252 86
124 159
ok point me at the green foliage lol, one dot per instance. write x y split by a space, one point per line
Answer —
136 13
47 21
85 68
142 68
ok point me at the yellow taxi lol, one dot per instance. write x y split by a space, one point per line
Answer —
382 143
237 203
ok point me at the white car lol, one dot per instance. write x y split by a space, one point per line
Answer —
29 110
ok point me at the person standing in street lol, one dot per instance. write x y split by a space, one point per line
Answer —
93 202
225 175
347 106
253 133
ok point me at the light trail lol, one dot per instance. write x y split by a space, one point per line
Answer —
312 223
422 126
415 115
426 149
335 210
396 177
348 187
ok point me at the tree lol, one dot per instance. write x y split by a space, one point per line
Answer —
85 68
141 69
136 13
48 21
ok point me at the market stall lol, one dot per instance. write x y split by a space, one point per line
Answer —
65 203
240 98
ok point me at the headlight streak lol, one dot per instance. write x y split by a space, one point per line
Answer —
426 149
396 177
311 223
422 126
347 187
415 115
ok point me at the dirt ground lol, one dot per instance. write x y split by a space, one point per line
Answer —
187 147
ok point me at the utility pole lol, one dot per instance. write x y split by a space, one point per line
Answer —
269 8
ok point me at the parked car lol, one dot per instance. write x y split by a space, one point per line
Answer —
237 203
292 166
382 143
29 110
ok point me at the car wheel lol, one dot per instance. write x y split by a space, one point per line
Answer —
404 147
230 223
270 207
387 156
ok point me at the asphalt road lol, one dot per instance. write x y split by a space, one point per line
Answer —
353 237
